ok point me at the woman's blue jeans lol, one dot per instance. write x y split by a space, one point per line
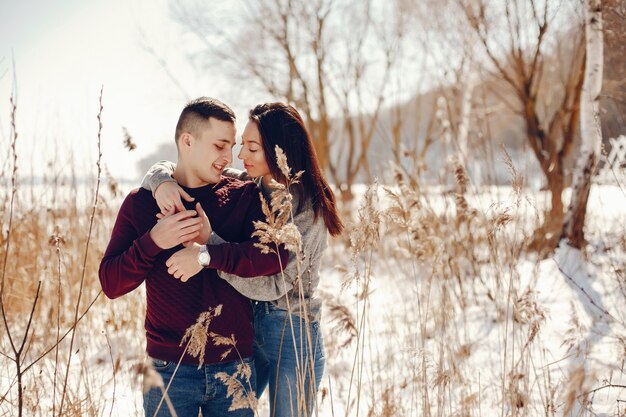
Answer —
194 389
291 367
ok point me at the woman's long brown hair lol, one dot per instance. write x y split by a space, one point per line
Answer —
281 124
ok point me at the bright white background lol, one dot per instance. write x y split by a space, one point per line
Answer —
64 52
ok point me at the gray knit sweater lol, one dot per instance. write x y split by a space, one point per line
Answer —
279 289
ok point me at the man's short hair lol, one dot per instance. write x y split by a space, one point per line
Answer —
198 111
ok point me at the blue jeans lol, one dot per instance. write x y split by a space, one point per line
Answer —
194 389
283 364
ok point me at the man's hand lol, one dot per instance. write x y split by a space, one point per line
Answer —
168 197
176 229
184 263
205 231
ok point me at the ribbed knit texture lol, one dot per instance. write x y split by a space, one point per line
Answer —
132 258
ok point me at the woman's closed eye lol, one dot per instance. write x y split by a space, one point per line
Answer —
221 148
248 148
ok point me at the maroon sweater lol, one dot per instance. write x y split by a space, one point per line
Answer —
132 257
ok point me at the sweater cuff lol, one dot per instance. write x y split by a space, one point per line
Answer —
215 239
147 245
217 255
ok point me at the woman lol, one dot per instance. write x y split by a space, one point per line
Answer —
289 353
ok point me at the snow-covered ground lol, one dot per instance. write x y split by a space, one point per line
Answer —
475 355
509 334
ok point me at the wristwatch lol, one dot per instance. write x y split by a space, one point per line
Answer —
204 258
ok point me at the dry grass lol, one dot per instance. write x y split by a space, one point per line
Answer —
453 266
438 313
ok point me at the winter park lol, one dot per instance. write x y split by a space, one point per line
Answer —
313 208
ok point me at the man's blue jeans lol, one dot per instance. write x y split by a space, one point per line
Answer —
194 389
277 358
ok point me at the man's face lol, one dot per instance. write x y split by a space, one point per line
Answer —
211 152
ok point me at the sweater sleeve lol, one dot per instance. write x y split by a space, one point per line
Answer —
245 259
236 173
304 223
158 174
129 257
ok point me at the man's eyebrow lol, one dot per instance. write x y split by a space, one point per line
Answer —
228 141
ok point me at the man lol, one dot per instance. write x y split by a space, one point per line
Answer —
140 248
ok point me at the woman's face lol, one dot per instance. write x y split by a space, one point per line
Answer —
252 153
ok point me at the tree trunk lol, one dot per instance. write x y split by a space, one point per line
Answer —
573 228
556 183
546 237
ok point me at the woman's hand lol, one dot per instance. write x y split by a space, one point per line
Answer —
184 263
205 231
168 197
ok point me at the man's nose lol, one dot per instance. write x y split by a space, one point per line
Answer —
228 156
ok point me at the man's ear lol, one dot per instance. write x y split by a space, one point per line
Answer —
185 140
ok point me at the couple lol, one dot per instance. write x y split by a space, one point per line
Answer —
272 316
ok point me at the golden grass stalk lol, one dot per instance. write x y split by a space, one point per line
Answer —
242 397
84 266
197 334
279 229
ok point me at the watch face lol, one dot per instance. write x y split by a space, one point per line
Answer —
203 258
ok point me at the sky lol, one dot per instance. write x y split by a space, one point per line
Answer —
64 53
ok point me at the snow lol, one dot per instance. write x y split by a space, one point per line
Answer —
470 346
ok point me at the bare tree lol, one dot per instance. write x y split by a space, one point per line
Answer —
573 229
410 133
458 89
303 52
361 101
516 52
442 112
